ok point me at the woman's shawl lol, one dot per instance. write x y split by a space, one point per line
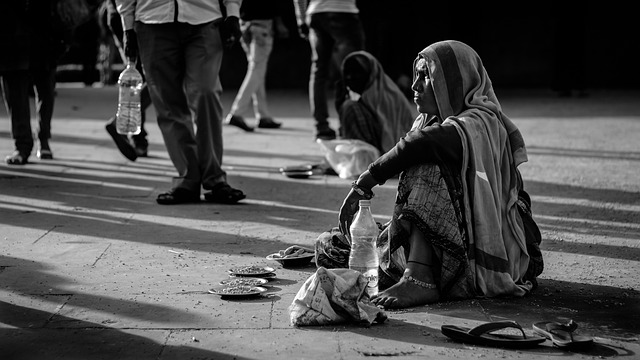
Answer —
492 149
384 98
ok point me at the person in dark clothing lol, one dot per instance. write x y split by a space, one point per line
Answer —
49 42
14 70
370 105
138 145
334 30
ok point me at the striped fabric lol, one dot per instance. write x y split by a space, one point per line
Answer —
492 150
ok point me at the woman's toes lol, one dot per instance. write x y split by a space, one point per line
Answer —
387 301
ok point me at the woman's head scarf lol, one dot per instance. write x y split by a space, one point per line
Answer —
461 85
393 110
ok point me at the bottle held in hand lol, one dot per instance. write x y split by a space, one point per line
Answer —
364 256
129 115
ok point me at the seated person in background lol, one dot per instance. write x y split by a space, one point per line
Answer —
461 226
370 105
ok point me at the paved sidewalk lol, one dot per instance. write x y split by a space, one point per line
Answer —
92 268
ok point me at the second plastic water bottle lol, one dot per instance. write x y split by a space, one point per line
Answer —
364 256
129 116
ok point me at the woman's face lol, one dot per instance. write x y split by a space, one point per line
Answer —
423 94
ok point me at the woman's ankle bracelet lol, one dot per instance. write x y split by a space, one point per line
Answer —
423 284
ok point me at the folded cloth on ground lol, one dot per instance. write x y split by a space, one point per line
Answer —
332 249
333 296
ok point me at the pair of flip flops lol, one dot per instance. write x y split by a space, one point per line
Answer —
560 334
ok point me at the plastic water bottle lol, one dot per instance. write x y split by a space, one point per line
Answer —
364 256
129 116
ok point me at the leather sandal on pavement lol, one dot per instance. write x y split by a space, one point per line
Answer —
178 196
224 194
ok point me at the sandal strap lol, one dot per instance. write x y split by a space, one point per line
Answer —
496 325
569 327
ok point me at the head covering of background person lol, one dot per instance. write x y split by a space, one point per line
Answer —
492 149
363 74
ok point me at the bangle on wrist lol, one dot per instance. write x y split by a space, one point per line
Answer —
366 193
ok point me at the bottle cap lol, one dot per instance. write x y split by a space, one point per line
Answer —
365 203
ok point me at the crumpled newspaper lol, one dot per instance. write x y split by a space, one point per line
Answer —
333 296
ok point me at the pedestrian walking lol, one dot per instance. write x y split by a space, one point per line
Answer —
136 145
181 47
14 70
334 30
258 22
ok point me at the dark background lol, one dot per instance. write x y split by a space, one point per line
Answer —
527 46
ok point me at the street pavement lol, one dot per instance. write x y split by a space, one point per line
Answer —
92 268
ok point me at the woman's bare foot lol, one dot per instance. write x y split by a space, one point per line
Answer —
405 294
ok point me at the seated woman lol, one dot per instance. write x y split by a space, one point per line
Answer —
461 226
370 105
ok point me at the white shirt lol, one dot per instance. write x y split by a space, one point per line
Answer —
304 8
192 12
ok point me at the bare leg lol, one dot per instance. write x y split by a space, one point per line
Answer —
420 265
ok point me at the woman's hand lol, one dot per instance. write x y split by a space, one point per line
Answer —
349 208
350 205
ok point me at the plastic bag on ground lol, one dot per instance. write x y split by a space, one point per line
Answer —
348 157
333 296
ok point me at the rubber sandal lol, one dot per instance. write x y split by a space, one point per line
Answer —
562 335
224 194
16 158
178 196
482 335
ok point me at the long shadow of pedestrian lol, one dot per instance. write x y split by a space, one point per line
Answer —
88 340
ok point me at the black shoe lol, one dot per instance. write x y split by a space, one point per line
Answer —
239 122
141 151
178 196
268 123
17 158
325 133
44 151
224 194
44 154
122 142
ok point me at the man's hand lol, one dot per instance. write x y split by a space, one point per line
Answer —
230 31
131 45
303 31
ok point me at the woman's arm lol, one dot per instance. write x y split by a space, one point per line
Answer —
437 143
